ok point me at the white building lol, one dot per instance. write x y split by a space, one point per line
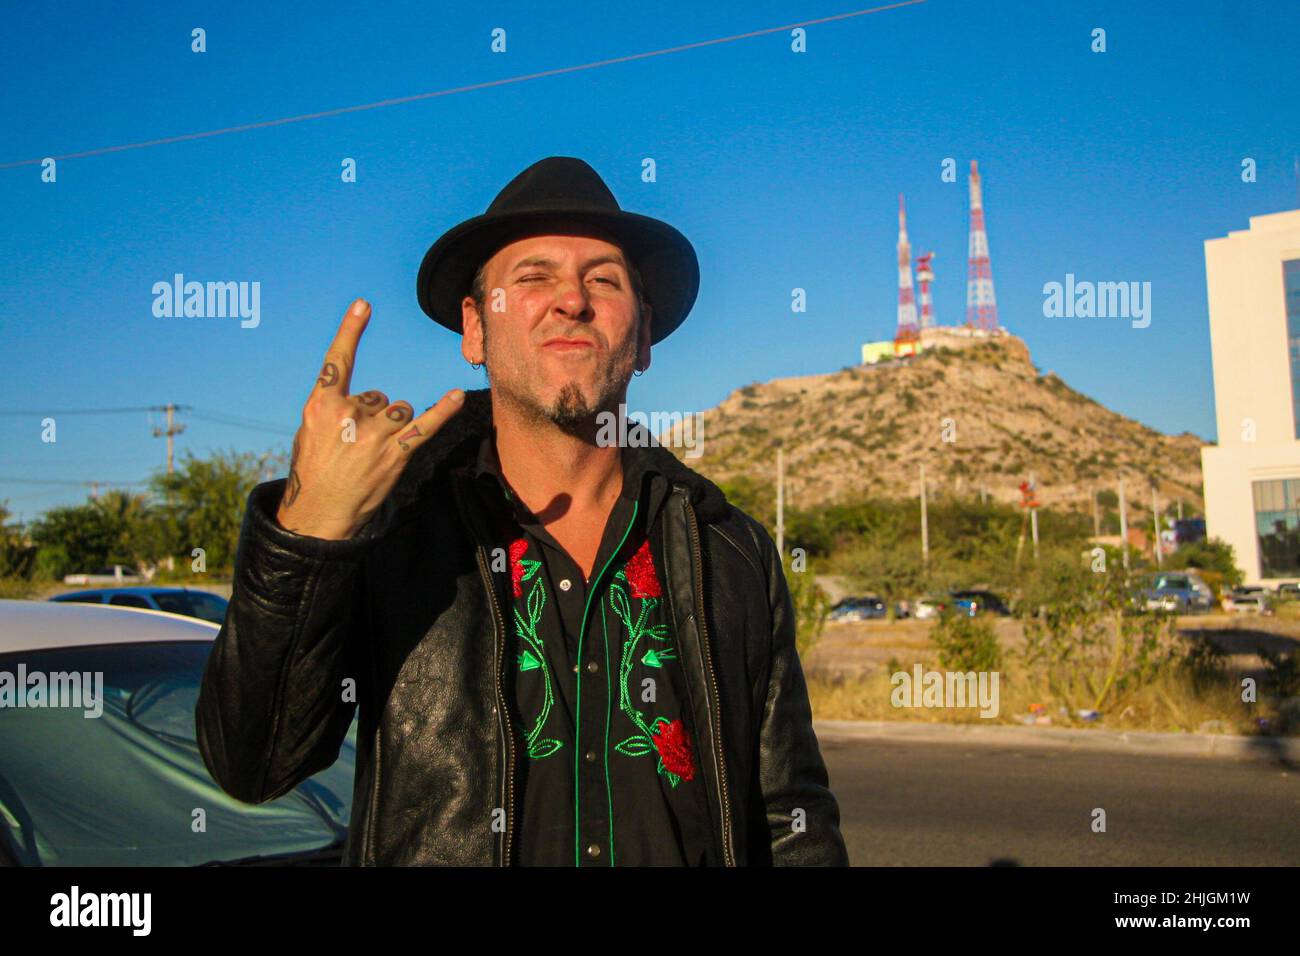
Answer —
1252 477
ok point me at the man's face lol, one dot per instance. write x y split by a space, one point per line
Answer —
567 342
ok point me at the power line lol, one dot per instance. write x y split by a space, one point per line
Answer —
11 413
235 421
75 463
218 418
244 127
77 482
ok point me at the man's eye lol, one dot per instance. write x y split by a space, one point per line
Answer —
608 279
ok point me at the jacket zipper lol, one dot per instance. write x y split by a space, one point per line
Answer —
507 789
503 717
728 855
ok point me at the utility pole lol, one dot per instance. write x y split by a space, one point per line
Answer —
1155 520
925 523
1123 523
1033 515
780 504
171 431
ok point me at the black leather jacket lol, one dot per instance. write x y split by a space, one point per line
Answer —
405 615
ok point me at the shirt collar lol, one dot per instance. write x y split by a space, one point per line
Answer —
638 470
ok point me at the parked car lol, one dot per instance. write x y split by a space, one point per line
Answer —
930 606
978 602
865 608
1250 599
191 603
971 603
1177 591
107 771
111 574
1288 590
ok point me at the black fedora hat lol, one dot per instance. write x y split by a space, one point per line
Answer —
561 195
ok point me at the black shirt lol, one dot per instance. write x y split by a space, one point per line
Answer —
609 773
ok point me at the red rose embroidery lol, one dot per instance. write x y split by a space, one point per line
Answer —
517 549
675 749
640 571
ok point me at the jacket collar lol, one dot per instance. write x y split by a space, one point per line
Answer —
459 442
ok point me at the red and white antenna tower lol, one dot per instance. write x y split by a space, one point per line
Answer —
924 276
907 330
981 305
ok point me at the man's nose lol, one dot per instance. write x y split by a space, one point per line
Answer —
572 299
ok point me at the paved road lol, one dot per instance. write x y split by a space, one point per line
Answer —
941 804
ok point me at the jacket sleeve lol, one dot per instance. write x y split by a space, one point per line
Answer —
791 773
272 709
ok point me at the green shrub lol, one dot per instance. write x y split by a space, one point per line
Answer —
810 608
1283 671
966 643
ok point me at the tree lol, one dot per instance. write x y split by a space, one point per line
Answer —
79 538
17 556
204 503
1212 554
882 568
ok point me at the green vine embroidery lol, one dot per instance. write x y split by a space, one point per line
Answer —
533 657
658 735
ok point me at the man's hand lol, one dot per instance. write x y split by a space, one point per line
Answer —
351 449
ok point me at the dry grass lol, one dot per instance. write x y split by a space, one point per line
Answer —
1170 704
850 679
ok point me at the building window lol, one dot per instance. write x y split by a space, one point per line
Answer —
1277 525
1291 287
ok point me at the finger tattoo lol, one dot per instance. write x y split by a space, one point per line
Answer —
291 488
371 398
401 439
397 414
329 376
294 484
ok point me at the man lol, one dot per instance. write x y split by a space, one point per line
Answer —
563 652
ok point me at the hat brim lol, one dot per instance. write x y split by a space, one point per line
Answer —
670 271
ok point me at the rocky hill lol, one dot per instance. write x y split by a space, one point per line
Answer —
980 419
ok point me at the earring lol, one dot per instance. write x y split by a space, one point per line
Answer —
639 371
476 365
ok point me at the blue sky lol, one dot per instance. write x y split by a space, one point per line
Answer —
783 169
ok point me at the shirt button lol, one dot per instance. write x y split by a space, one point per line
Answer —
591 756
566 584
593 851
592 667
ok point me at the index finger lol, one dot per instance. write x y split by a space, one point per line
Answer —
341 358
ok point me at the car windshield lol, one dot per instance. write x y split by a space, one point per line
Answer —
1178 581
199 604
113 775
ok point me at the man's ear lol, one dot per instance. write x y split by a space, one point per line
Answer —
471 342
643 338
